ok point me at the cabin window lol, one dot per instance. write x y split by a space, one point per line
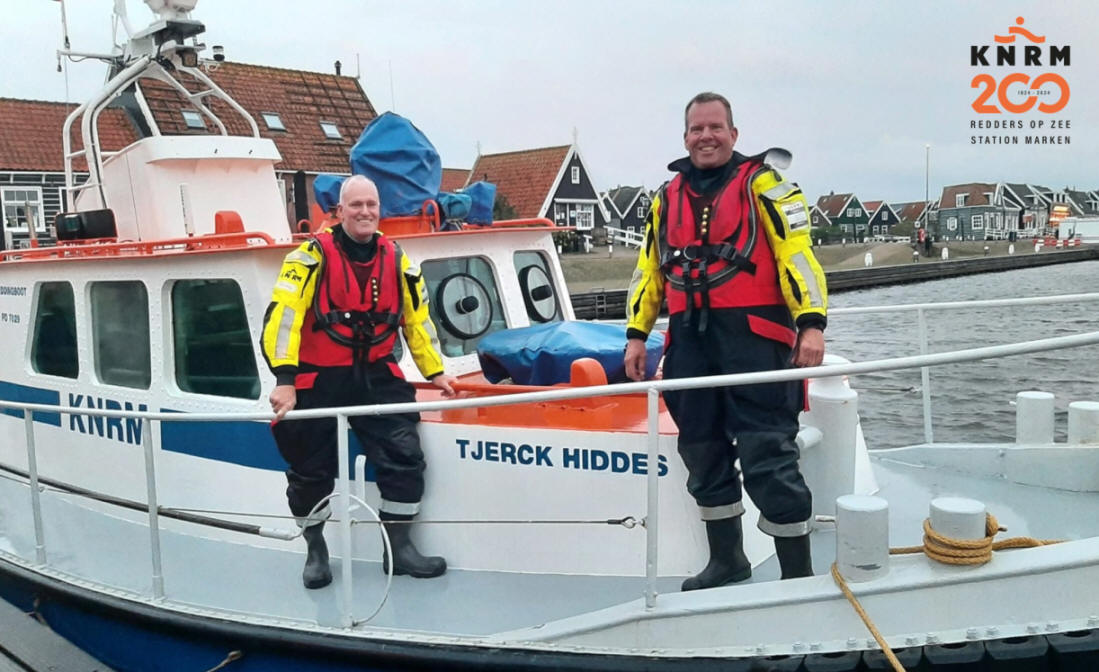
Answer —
53 350
213 347
977 222
575 174
273 121
641 212
193 119
465 302
539 296
331 131
23 205
120 333
952 223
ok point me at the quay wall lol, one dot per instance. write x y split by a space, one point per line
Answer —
611 304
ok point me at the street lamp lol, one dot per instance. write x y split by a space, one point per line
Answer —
927 190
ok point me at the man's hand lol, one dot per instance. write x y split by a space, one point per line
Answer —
445 383
635 359
283 399
809 350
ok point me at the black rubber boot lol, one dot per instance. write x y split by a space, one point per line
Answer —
728 564
316 573
794 557
406 559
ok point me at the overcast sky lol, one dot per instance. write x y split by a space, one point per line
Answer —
855 89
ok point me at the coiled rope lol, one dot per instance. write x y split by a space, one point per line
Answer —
943 549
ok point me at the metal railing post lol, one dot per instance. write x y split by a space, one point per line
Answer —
653 484
345 519
154 508
36 501
925 378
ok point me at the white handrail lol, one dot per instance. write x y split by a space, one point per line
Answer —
957 305
784 375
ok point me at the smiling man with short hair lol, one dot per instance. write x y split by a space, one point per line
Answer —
727 244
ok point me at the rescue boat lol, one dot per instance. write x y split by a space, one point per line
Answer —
142 508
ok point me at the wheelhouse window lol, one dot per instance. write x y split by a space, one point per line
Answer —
193 119
213 347
465 302
53 350
539 295
23 205
331 131
120 333
273 121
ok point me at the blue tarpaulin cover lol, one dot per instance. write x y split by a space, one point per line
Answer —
454 206
543 354
401 161
326 191
484 197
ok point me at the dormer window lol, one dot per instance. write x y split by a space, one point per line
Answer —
193 119
959 200
273 121
331 131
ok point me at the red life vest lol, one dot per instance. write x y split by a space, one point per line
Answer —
352 321
722 259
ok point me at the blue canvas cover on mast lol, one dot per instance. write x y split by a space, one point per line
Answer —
400 159
326 191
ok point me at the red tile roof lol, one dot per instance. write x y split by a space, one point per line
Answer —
525 177
871 206
832 206
301 99
910 212
453 179
30 134
975 192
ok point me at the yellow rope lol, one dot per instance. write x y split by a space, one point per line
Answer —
946 550
968 551
838 578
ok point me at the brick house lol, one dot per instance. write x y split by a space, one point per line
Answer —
550 182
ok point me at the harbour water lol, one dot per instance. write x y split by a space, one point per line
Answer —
971 401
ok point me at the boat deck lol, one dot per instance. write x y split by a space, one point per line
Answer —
262 584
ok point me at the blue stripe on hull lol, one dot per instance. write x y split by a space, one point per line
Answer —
249 444
31 395
130 644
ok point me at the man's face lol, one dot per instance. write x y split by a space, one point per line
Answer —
359 210
708 138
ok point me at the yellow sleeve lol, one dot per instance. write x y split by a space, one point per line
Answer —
419 330
785 215
291 298
646 292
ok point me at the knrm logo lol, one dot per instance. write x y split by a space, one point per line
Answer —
1018 92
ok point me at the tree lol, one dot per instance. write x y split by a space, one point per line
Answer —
502 209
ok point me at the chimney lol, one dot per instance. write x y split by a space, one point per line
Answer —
338 66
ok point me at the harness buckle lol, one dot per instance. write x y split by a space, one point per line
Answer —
693 252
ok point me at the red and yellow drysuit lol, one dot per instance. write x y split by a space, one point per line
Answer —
729 249
330 331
